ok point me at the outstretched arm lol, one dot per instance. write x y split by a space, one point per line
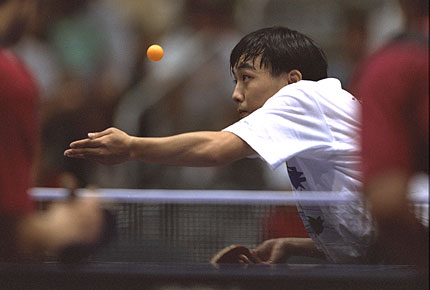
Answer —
197 149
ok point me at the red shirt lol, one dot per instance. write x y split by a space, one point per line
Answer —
18 134
393 86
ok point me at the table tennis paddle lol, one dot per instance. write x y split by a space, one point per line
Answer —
232 255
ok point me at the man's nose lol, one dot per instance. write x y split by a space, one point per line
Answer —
237 95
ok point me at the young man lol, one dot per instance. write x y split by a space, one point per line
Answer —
290 112
25 232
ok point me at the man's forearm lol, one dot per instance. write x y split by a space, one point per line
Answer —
304 247
197 149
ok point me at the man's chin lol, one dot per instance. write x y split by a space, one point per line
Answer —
243 115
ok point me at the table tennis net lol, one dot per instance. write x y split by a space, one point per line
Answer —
193 225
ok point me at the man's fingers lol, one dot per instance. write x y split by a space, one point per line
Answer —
263 251
86 143
70 154
269 252
243 259
99 134
95 154
255 258
82 152
92 141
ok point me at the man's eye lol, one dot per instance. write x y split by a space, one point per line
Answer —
245 77
242 78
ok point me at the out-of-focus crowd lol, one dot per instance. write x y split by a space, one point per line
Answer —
89 59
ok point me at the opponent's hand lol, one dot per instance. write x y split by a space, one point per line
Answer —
111 146
78 221
63 224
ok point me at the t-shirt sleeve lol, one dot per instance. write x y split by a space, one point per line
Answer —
289 124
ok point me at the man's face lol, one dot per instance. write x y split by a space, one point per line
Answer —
254 86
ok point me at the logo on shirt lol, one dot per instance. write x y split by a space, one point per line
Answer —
316 224
296 178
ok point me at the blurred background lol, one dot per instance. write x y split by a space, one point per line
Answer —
89 59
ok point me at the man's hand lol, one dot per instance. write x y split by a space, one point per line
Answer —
276 251
273 251
111 146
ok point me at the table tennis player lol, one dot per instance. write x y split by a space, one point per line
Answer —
394 86
25 233
291 113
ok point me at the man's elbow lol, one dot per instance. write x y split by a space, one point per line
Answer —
216 157
220 154
224 148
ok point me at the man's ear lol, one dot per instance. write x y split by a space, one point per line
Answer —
294 76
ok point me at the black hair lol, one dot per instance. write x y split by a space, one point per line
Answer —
281 50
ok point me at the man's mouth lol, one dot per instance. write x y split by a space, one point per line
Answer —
242 113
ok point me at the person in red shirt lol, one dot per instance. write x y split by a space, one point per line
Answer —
25 232
393 87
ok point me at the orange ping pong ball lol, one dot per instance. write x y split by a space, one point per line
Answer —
155 52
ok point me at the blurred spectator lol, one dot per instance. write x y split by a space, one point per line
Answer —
24 232
354 41
393 85
83 53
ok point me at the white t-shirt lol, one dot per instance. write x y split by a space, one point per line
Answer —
314 128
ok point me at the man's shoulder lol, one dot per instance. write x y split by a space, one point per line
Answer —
312 86
306 91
